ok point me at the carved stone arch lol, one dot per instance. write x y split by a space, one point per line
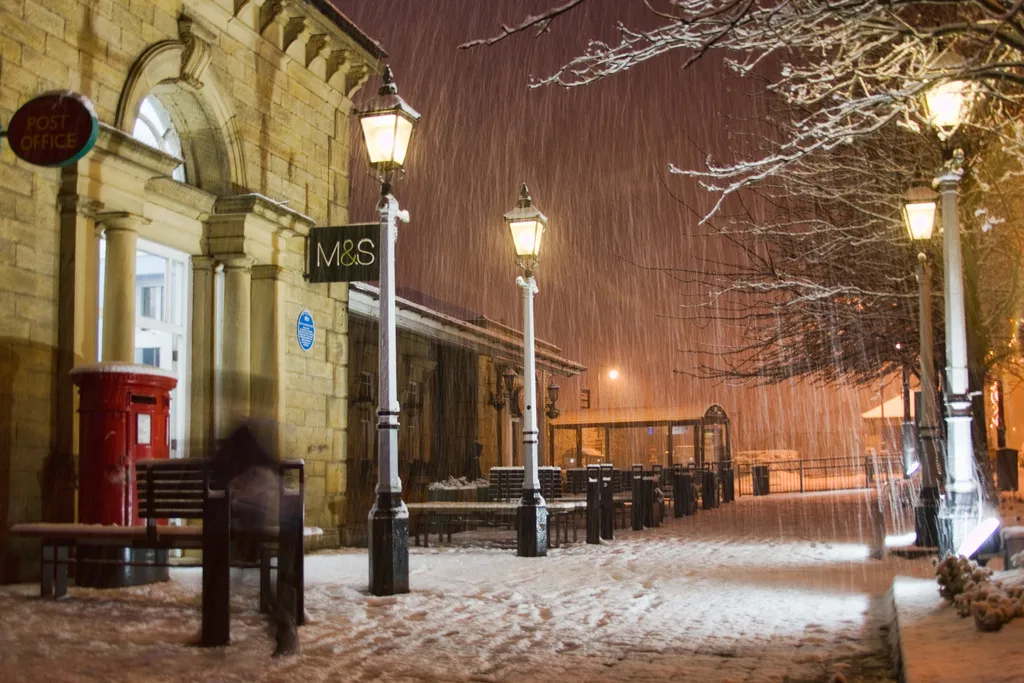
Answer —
175 71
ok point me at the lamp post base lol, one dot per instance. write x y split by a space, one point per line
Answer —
926 518
389 545
532 525
958 515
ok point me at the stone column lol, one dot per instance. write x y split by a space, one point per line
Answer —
201 420
236 363
122 231
268 349
78 281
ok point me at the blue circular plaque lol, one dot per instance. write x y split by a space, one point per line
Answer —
305 330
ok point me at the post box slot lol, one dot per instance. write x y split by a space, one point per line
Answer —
147 400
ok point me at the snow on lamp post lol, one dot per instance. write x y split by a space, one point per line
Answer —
387 123
946 105
919 219
527 226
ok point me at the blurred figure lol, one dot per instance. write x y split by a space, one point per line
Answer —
251 472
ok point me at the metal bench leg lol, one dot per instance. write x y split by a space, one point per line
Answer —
60 583
291 557
46 580
300 577
265 602
216 629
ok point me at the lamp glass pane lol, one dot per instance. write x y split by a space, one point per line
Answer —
946 104
403 133
526 236
379 131
919 218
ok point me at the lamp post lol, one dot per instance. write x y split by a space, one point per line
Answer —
919 218
387 124
960 513
527 225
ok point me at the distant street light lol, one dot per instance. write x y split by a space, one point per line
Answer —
919 218
946 106
527 226
613 374
387 123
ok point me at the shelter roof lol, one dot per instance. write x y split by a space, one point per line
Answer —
634 417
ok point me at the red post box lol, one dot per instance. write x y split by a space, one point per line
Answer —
124 416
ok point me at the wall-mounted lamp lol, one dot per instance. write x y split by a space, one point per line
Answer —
505 384
552 406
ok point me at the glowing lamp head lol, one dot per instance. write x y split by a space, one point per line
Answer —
946 105
919 213
387 123
613 374
527 225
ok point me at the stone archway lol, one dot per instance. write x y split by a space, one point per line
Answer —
176 72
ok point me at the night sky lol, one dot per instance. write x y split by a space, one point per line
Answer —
596 161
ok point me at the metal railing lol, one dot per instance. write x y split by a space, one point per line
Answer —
822 474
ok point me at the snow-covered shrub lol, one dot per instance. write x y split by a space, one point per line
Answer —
973 593
995 610
955 573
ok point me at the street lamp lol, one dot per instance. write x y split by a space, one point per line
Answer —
946 106
527 225
919 219
387 124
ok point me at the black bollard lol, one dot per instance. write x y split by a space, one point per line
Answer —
729 484
216 619
707 483
677 491
594 504
607 502
688 494
638 498
650 520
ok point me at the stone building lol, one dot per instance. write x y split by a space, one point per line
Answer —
178 240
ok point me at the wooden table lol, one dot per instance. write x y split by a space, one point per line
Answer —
422 514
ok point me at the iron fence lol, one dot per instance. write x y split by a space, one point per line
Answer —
822 474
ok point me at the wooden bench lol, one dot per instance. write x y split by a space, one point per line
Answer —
561 515
187 490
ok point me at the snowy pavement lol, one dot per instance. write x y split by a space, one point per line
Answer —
778 588
939 646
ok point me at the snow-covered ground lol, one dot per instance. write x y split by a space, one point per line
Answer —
939 646
765 589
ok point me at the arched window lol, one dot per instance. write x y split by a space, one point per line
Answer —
155 128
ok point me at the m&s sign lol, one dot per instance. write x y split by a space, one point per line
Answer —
55 129
345 253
